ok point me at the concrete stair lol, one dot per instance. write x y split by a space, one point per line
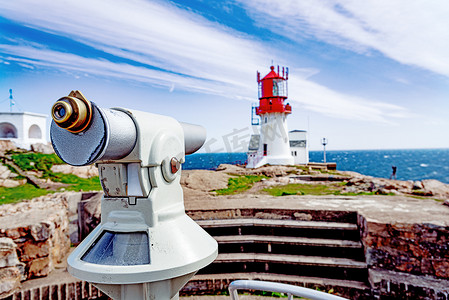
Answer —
319 254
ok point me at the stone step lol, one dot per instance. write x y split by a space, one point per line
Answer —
288 279
281 264
276 223
273 227
290 259
242 239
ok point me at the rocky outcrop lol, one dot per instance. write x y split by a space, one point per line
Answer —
436 188
7 178
6 145
269 171
200 183
83 172
42 148
381 186
40 230
355 183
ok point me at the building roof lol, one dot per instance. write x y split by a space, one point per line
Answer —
23 113
272 74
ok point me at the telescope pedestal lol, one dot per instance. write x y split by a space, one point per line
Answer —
160 290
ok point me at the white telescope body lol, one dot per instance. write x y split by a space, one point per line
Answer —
145 247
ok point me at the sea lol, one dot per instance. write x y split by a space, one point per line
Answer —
412 164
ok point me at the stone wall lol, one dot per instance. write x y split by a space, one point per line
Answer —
39 229
11 269
406 251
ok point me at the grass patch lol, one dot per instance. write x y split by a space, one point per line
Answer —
29 191
77 183
42 163
426 198
22 192
36 162
366 194
335 188
12 170
304 189
239 184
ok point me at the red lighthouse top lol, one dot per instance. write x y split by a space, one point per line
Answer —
273 92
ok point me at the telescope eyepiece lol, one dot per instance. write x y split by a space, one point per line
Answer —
61 111
73 113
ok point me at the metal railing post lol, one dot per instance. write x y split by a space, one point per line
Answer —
276 287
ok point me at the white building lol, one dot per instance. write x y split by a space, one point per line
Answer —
299 146
23 128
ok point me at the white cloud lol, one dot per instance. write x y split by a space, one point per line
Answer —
100 67
410 32
27 66
166 46
150 33
323 100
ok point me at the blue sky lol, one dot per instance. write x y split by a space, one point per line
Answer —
364 74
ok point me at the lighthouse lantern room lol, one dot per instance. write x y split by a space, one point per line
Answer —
272 145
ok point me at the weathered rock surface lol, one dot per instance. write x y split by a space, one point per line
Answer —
281 175
42 148
381 186
9 280
11 269
437 188
6 178
201 183
83 172
6 145
8 253
269 171
420 249
9 183
39 228
4 172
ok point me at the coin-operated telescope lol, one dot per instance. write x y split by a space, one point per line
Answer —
145 247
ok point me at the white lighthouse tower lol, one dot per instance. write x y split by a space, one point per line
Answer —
272 145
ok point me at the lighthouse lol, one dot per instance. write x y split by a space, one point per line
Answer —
272 144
